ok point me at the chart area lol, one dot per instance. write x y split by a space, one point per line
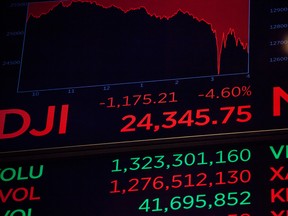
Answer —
96 73
90 43
144 108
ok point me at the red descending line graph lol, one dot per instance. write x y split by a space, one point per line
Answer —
225 17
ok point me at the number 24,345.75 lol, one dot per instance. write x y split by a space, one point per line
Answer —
199 117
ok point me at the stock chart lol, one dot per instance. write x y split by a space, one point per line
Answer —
144 107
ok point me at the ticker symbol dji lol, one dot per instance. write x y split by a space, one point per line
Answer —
25 117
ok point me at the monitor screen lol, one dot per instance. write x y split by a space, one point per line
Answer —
149 108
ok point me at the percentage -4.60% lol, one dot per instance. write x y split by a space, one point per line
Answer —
228 92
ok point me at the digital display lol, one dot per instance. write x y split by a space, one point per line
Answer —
232 179
101 72
144 108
